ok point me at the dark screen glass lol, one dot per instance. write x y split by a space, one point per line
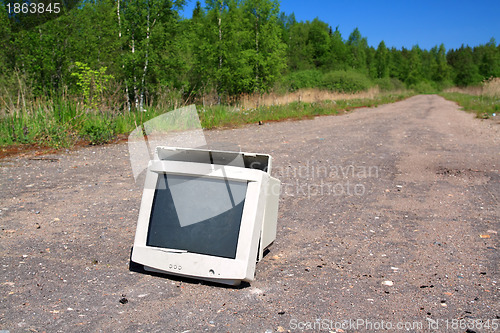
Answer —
199 215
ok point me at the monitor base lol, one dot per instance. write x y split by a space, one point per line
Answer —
229 282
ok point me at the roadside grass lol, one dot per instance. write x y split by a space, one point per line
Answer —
227 116
483 100
64 123
484 106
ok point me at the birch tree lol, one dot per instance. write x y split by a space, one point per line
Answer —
145 23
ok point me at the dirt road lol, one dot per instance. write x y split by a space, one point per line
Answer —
389 217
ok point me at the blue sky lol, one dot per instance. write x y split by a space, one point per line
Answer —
403 23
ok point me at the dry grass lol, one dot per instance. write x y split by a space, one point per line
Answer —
302 95
475 90
490 87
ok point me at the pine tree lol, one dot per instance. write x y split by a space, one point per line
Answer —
441 71
357 46
465 70
338 52
381 61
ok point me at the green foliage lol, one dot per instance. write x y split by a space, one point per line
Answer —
424 87
299 50
318 40
337 53
158 59
303 79
92 84
358 49
345 81
97 131
466 71
381 61
390 84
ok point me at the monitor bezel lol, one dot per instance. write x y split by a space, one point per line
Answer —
202 266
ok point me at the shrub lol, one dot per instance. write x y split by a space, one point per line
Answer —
390 84
345 81
303 79
97 131
384 84
424 87
442 85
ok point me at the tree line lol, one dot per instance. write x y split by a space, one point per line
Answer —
140 50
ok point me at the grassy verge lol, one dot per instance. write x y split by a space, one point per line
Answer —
224 116
483 106
62 124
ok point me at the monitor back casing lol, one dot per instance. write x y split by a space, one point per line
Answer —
258 222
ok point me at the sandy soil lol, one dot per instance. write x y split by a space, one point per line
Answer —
388 215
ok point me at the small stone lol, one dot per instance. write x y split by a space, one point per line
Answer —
280 329
387 283
123 300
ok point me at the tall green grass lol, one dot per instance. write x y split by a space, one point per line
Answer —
63 123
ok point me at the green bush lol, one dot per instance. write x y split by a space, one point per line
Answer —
97 131
442 85
390 84
303 79
424 87
345 81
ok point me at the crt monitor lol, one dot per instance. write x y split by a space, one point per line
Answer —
206 214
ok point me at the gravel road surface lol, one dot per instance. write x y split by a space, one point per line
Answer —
389 219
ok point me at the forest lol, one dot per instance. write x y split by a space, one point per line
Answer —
126 56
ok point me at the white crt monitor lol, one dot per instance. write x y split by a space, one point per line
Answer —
206 214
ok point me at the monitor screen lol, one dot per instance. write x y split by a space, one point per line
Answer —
197 214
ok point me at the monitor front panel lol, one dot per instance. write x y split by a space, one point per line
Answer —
197 214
